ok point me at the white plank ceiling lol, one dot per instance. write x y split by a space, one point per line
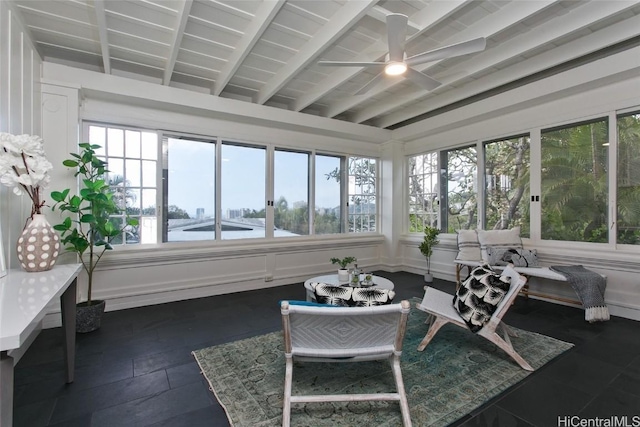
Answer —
266 51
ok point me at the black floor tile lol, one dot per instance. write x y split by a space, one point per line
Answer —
539 401
84 401
495 417
612 402
138 368
155 409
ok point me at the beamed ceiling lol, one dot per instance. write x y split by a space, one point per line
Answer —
266 52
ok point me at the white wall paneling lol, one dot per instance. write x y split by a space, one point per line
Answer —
20 67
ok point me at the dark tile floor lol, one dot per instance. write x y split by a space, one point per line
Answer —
137 370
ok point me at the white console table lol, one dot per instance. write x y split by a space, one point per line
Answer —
23 304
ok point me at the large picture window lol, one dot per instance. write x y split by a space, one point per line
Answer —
423 191
574 199
190 189
243 195
628 224
506 195
291 193
328 214
362 176
460 189
185 188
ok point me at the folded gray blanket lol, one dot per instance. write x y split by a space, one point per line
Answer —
590 287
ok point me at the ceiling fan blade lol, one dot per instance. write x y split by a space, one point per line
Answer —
422 80
366 88
351 64
458 49
396 35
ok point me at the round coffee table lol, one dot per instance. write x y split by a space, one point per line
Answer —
332 279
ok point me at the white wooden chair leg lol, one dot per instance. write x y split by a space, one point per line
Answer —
404 404
435 326
286 400
508 348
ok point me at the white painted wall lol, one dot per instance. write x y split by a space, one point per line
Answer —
593 90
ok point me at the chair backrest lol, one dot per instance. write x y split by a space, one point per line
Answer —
335 332
517 282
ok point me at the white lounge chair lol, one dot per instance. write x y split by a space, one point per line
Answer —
344 334
440 306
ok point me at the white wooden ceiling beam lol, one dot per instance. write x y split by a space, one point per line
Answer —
101 19
425 19
339 24
184 8
506 17
261 21
574 49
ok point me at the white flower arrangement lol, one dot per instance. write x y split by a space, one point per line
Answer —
24 166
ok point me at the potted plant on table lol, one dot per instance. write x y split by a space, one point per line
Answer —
343 273
89 230
426 248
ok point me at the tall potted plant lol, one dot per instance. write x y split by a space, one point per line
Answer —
426 248
90 228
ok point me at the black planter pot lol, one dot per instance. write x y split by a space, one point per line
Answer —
88 317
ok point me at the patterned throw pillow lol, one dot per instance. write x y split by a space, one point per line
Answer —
517 257
348 296
367 297
479 296
468 246
499 239
332 294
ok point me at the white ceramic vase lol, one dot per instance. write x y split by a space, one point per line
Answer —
38 246
343 275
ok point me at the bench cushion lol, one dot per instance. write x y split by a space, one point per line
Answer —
498 239
468 245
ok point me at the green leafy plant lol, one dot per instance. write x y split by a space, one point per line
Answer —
89 229
343 262
429 241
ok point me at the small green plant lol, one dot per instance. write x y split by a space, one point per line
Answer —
427 244
90 228
343 262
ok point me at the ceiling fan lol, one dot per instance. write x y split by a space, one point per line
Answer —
398 64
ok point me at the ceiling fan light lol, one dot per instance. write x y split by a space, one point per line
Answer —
395 68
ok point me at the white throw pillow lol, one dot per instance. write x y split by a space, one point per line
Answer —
498 239
468 246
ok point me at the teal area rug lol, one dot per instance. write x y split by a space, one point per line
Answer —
455 374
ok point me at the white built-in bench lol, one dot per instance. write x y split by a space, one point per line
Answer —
473 248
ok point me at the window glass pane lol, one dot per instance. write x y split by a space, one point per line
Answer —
115 141
148 173
243 195
574 198
291 193
327 218
97 136
628 222
461 190
132 144
362 194
507 184
190 190
423 191
149 145
132 173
